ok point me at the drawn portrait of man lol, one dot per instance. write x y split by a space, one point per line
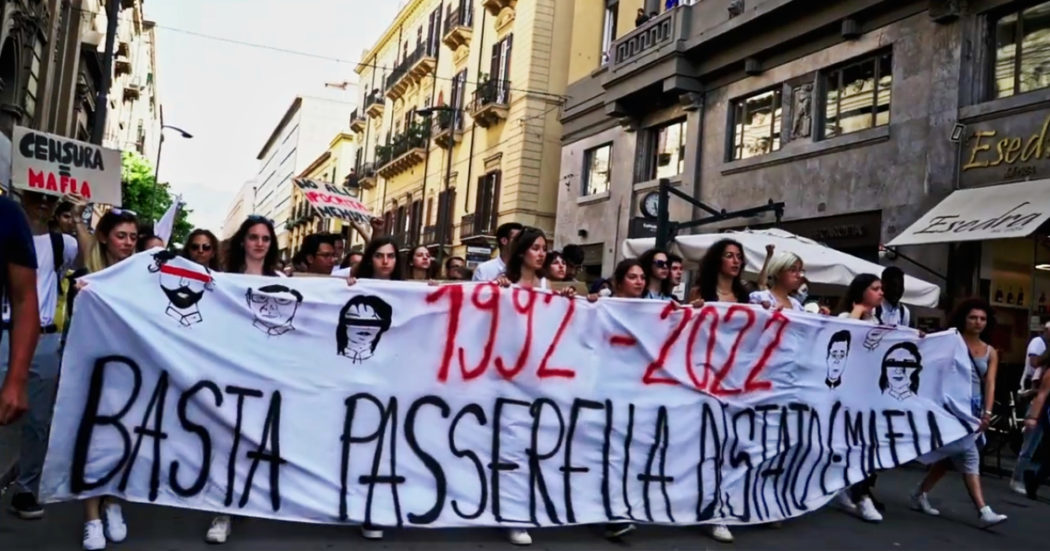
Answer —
900 371
183 286
362 322
273 307
838 352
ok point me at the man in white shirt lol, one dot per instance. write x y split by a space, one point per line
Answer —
892 312
490 270
1036 360
43 370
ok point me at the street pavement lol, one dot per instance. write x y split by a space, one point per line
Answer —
160 528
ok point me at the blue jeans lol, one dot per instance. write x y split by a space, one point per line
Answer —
1026 460
36 424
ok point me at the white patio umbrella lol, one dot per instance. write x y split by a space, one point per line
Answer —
824 266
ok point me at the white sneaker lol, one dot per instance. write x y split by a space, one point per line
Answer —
721 533
219 530
519 536
845 502
989 517
1017 487
921 502
113 524
867 511
94 539
371 533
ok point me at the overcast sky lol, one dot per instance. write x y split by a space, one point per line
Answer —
230 96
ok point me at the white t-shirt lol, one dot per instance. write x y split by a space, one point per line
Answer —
888 314
758 297
490 269
46 278
1036 347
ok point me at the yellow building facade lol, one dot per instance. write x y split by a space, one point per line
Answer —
458 122
334 166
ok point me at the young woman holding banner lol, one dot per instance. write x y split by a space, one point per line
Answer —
862 297
720 274
253 249
420 266
113 241
973 319
380 261
786 276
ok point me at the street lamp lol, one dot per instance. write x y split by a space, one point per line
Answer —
428 113
160 147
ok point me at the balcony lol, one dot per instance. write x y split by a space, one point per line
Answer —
366 176
491 102
430 235
374 104
417 65
477 229
403 152
657 37
496 6
132 90
444 135
358 121
458 28
121 65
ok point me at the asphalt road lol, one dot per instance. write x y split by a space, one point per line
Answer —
159 528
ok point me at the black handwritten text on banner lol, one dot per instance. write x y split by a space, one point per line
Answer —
411 405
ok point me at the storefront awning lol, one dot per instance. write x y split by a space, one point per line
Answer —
978 214
828 270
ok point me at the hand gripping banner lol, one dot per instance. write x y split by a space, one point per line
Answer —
403 404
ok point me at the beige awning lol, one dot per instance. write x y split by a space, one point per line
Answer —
978 214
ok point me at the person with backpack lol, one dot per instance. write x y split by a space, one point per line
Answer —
56 253
892 311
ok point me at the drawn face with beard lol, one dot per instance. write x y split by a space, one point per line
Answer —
183 292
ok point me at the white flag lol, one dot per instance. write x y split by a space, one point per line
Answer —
166 223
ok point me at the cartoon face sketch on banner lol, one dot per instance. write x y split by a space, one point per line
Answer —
362 323
273 307
874 337
900 371
184 288
838 352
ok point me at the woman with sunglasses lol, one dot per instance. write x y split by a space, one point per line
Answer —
202 247
114 240
253 249
657 273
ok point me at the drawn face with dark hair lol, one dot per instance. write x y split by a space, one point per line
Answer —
362 323
900 371
184 288
273 307
838 352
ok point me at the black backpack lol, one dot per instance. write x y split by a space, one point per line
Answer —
58 252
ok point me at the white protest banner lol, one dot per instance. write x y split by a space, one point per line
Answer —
333 202
403 404
56 165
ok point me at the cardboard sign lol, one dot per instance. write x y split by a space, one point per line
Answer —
332 201
408 404
56 165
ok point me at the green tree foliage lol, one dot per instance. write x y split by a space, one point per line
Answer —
150 201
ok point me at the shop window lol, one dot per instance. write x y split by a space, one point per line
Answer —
857 95
1021 56
596 170
667 155
756 124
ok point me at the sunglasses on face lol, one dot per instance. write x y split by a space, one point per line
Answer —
659 263
205 247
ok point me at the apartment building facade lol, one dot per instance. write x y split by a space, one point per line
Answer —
458 122
334 166
861 116
304 131
133 119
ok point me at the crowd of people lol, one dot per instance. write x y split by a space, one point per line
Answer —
45 246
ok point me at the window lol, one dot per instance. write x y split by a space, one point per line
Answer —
668 153
1022 51
486 211
500 67
756 124
612 9
33 84
596 170
857 95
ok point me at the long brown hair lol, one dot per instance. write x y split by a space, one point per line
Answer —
97 258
